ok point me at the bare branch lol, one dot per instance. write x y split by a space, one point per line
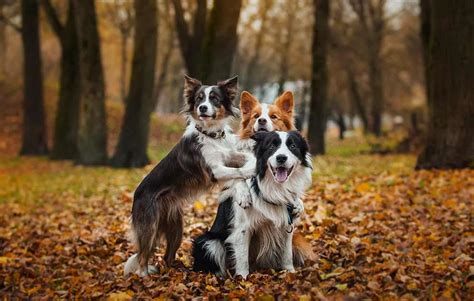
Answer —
53 18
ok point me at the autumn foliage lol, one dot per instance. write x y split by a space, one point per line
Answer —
383 232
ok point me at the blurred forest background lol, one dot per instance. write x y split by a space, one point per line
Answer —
382 87
82 80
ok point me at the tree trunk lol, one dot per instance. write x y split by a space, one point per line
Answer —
376 87
357 99
191 45
123 66
425 28
371 15
67 115
252 66
34 140
319 77
341 124
286 47
221 40
133 142
160 81
92 139
450 143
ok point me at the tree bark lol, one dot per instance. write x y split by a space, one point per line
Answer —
450 143
191 44
67 115
252 66
221 40
133 142
161 79
341 123
286 47
92 137
319 77
357 99
34 141
123 65
372 20
425 29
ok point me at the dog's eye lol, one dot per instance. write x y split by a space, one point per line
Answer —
293 146
256 116
274 116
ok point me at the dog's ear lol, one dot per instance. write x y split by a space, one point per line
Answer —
247 102
286 102
230 87
190 87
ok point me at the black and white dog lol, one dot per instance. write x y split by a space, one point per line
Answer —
244 240
205 155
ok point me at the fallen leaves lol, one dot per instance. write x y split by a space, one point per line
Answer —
388 235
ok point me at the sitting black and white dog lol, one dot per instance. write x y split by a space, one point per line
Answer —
206 155
244 240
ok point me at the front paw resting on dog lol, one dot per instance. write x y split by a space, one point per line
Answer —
242 194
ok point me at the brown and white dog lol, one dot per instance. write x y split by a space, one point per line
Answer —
261 117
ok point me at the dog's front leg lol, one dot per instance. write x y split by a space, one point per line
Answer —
224 173
287 263
239 241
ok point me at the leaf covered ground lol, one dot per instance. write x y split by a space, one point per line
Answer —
380 229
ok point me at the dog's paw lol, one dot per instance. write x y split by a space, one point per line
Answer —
150 270
298 210
289 268
245 200
244 275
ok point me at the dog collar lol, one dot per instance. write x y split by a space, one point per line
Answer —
214 135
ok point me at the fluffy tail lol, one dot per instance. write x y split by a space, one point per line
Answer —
302 250
209 254
131 266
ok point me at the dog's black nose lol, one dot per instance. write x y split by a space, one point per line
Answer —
281 159
262 121
203 109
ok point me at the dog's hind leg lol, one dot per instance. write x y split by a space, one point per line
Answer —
138 263
173 234
144 230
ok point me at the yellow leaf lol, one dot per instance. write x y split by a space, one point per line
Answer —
4 260
120 296
198 206
304 298
363 187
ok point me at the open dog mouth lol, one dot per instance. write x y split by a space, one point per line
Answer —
281 173
206 117
262 129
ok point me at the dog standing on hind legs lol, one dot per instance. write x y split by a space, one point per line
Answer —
202 158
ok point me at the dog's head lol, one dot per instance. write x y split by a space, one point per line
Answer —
281 153
210 103
258 117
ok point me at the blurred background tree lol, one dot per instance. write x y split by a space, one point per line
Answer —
366 75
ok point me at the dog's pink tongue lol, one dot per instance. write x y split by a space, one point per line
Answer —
281 174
